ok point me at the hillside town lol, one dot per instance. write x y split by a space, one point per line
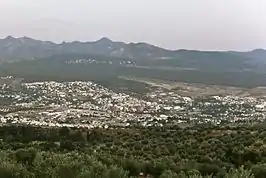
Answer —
89 105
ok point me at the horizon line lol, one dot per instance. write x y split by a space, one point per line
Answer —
114 41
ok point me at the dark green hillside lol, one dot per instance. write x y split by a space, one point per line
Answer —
172 152
56 68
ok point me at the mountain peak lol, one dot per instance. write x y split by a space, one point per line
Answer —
259 50
105 40
20 38
9 38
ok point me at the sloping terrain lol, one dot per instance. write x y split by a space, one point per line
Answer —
105 60
108 69
16 49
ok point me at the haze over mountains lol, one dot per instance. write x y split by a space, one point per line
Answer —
27 48
108 60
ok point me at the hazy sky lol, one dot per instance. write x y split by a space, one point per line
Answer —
175 24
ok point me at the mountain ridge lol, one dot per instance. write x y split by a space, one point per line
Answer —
105 60
25 48
103 38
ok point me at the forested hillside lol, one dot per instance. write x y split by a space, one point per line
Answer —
205 150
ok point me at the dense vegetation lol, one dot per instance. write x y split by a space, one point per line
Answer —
199 151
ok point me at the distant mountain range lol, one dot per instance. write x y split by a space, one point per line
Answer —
106 60
27 48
